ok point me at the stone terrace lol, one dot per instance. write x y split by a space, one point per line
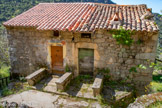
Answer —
81 87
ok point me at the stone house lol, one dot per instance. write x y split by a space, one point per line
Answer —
76 35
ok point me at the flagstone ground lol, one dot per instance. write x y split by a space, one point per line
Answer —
38 99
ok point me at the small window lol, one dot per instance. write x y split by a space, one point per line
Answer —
85 35
56 33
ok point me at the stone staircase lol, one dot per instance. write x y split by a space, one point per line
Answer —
51 85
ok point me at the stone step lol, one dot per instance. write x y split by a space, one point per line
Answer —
50 89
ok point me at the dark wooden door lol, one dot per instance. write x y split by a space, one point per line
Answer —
57 56
86 61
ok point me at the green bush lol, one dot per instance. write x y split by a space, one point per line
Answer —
6 92
4 71
123 36
156 105
156 86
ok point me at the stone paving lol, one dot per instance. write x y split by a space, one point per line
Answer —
78 88
82 89
51 85
38 99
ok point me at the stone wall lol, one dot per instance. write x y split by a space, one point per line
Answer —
29 51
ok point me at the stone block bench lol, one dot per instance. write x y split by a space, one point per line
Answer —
97 85
35 77
62 82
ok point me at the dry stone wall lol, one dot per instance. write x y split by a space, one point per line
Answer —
120 59
29 50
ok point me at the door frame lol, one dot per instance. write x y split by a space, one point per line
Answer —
49 58
79 60
87 46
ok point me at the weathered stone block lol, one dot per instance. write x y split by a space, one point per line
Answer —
97 85
129 61
36 76
63 81
99 40
147 56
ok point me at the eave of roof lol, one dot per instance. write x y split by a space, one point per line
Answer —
83 17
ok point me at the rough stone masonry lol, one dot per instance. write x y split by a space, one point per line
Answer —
30 50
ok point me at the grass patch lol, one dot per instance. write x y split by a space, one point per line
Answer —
156 105
18 87
4 71
6 92
156 84
102 101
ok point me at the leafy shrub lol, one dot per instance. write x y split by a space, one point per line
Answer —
4 71
123 36
156 86
156 105
6 92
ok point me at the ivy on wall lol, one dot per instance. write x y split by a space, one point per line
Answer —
122 36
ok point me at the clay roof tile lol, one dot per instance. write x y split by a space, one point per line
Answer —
85 17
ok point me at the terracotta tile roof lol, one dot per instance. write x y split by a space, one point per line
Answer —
84 17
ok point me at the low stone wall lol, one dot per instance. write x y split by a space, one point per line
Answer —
36 76
146 100
97 85
63 81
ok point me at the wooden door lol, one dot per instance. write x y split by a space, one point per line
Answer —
86 61
57 56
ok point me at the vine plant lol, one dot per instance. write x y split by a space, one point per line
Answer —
122 36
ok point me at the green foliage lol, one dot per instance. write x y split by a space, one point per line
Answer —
157 104
156 86
102 101
123 36
4 71
84 77
157 66
133 69
141 66
4 56
104 71
17 87
67 69
6 92
22 79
